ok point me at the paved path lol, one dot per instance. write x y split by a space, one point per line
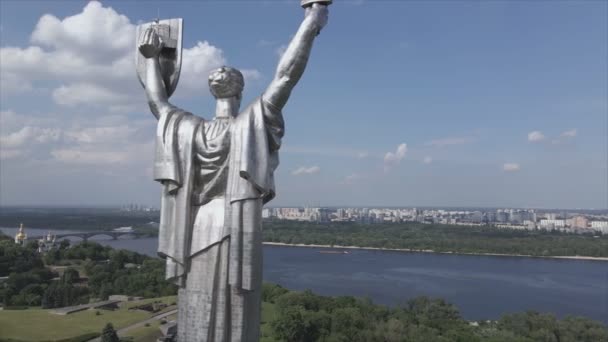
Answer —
71 309
122 331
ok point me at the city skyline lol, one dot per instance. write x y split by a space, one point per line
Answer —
443 104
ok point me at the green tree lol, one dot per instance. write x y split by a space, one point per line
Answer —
108 334
290 325
64 244
70 276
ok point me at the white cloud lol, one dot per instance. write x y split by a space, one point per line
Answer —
251 75
449 141
511 167
363 155
29 134
197 62
304 170
87 94
536 136
78 156
105 154
11 83
569 134
101 134
391 158
96 33
427 160
91 54
92 48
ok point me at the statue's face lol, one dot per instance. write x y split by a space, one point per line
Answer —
226 82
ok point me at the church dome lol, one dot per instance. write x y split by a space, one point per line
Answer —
21 234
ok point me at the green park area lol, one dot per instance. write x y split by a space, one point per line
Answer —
42 325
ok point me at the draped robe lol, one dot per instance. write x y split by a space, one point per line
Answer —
216 175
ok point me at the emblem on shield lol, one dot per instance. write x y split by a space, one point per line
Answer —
170 58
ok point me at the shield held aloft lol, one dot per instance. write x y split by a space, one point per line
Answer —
170 58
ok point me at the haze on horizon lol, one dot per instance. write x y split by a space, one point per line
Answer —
463 104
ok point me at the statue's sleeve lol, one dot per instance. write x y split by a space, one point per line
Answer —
173 167
255 141
275 126
166 160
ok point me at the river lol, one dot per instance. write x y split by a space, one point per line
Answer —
483 287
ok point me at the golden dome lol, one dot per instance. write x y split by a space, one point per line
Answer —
21 234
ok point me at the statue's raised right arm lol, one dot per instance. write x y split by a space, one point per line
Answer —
294 59
150 46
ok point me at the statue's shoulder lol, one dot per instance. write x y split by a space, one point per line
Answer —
180 114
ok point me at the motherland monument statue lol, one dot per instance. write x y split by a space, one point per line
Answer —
216 175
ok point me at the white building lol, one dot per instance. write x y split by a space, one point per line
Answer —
552 224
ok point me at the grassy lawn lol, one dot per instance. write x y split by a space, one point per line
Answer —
144 334
39 324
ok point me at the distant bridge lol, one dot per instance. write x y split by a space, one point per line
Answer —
87 235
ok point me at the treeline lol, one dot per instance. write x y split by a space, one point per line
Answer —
95 273
306 317
29 281
438 237
75 219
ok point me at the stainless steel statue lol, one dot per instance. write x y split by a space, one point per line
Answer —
216 175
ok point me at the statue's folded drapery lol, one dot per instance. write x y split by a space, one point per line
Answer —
215 231
253 156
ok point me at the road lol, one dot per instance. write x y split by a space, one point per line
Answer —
122 331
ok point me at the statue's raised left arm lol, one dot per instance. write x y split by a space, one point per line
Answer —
294 59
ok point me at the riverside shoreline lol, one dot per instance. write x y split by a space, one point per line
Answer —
407 250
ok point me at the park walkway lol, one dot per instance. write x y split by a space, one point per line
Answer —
122 331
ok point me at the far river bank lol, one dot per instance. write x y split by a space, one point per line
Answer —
407 250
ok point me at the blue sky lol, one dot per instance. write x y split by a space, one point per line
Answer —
497 103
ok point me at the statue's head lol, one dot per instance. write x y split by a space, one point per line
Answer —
226 82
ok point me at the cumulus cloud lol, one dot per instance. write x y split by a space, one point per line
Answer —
91 54
109 134
197 62
511 167
77 156
304 170
449 141
536 136
29 134
392 158
427 160
87 94
96 44
96 33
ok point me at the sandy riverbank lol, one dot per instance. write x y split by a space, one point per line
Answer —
573 257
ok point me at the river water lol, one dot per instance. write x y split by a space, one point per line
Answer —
483 287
